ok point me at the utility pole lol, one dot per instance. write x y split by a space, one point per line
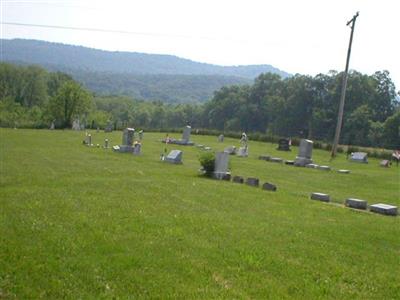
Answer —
352 23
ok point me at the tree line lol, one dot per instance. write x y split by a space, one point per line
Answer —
298 106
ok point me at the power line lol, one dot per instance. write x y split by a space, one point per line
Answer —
106 30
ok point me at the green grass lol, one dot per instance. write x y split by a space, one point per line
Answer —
80 222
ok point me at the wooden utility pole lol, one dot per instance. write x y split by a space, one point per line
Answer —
352 23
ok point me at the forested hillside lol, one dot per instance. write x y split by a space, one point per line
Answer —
165 88
87 59
143 76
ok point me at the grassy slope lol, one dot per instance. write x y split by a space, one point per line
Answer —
87 222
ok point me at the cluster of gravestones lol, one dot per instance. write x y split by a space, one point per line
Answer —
185 140
303 159
129 144
89 142
221 172
380 208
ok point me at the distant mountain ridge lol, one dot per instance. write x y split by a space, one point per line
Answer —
133 73
40 52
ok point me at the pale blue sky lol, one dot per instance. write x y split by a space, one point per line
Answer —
305 37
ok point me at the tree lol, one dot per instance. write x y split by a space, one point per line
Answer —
71 101
391 132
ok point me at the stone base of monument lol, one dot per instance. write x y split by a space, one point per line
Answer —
356 203
237 179
324 168
276 159
320 197
302 161
242 152
252 181
269 187
222 176
384 209
178 142
264 157
311 166
231 150
123 148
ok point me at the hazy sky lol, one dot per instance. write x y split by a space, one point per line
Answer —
307 37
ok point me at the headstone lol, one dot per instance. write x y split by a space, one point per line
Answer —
237 179
264 157
324 168
88 140
136 148
283 145
356 203
360 157
52 126
76 125
385 163
127 136
186 134
269 187
312 166
221 165
320 197
106 144
127 140
289 162
384 209
221 138
343 171
231 150
276 159
207 148
98 130
252 181
174 157
200 146
109 127
243 152
305 152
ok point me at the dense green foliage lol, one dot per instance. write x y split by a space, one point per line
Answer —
207 161
298 106
165 88
306 106
87 223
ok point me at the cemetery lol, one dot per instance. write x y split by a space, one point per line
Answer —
123 216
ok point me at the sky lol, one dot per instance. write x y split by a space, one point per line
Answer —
306 37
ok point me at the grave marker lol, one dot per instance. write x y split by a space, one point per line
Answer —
305 152
174 157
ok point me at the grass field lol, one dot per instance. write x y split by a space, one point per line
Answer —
81 222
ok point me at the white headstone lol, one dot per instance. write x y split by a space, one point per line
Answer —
221 164
360 157
186 133
127 136
175 157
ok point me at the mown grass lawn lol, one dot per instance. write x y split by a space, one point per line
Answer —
80 222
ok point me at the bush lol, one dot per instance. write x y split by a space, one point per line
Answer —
207 160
